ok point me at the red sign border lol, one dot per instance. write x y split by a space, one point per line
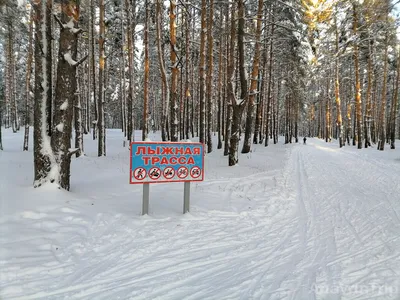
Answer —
164 181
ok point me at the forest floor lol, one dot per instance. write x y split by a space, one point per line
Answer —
295 221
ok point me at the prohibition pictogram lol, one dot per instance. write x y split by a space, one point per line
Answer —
154 173
139 173
195 172
169 173
183 172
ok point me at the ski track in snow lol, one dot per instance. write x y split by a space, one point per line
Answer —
324 226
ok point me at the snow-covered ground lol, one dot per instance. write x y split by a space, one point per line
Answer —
290 222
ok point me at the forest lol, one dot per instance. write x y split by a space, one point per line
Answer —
245 70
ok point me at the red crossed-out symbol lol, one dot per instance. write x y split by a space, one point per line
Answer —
154 173
139 173
169 173
195 172
183 172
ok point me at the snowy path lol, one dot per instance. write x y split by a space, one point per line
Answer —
326 225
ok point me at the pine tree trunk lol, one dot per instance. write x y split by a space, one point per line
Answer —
339 122
78 118
231 93
65 94
220 80
357 83
11 79
101 151
254 81
122 76
28 83
394 107
210 42
92 71
145 129
188 68
258 136
382 115
130 7
202 72
349 124
328 115
368 111
9 87
181 126
174 122
165 86
44 160
275 121
269 91
238 105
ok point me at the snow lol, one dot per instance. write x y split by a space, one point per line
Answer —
290 222
60 127
70 24
69 59
64 106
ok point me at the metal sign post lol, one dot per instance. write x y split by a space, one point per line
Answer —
146 196
161 162
186 197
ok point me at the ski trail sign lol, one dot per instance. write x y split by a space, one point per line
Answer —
157 162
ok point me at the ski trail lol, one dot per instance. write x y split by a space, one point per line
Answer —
359 236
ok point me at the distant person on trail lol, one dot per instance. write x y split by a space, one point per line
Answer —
304 140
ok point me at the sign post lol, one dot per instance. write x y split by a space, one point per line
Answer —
146 196
162 162
186 197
